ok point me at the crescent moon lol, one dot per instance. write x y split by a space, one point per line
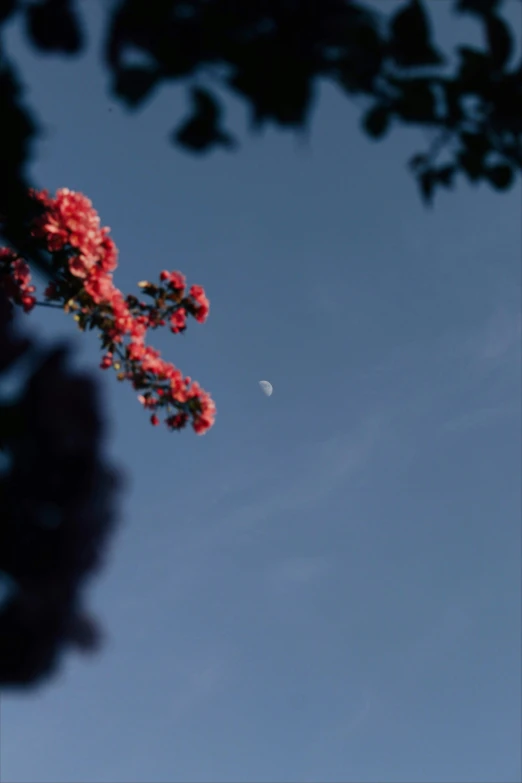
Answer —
266 388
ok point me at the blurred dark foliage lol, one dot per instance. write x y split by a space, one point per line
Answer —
56 511
271 53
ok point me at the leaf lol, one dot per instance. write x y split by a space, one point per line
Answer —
474 69
134 84
446 174
205 104
6 9
472 164
500 41
417 102
501 176
418 161
361 50
411 37
472 156
427 181
201 131
452 103
12 422
277 84
410 20
376 121
53 27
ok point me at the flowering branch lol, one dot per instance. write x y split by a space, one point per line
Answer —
83 258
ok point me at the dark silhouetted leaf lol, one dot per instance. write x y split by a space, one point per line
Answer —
199 137
475 69
361 51
501 176
417 102
205 105
445 175
134 84
472 157
6 9
418 162
472 163
453 110
427 182
53 26
376 121
411 37
477 142
279 88
506 104
500 42
19 131
201 131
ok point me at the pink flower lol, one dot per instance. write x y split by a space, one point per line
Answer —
100 287
177 280
106 361
15 279
178 320
202 305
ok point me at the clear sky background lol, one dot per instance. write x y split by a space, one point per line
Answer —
327 585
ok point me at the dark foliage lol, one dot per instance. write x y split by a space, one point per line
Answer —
56 501
271 53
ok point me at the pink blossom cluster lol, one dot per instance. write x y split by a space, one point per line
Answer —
83 258
15 279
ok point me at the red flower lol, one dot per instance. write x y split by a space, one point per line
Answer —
15 279
202 305
106 361
177 280
100 287
178 320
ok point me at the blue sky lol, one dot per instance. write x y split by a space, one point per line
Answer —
327 585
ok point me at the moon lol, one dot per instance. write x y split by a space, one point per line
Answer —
266 388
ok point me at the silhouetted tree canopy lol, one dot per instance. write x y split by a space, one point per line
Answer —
272 53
